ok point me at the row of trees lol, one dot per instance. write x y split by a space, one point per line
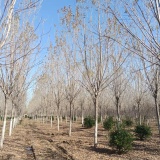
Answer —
18 51
103 57
106 55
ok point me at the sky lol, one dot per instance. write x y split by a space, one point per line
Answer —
48 13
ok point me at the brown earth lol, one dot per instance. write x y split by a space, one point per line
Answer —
33 140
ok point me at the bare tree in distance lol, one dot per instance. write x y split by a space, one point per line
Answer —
93 51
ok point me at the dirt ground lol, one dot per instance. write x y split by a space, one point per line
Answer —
33 140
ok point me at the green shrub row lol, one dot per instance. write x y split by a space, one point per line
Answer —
121 139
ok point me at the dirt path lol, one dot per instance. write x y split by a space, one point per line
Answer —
33 140
30 143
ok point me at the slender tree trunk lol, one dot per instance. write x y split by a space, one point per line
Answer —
58 115
58 122
51 121
82 116
66 118
118 113
157 114
61 119
70 120
139 115
14 120
4 123
73 114
53 117
66 114
11 122
96 121
76 115
101 115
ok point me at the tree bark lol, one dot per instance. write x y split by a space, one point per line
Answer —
96 121
58 122
11 122
70 120
139 114
157 114
51 121
118 113
82 116
4 123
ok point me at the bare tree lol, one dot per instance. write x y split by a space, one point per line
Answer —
72 88
153 81
8 11
141 20
56 78
17 56
93 50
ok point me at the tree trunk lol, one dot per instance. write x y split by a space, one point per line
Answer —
73 114
96 121
58 122
14 119
76 115
70 120
157 114
82 116
11 122
4 123
61 119
58 115
118 114
139 115
101 115
51 121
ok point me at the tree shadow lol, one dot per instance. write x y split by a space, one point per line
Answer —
101 150
147 148
7 157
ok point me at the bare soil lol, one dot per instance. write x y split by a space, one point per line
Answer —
32 140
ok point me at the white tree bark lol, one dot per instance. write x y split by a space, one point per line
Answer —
70 120
4 124
51 121
96 122
58 122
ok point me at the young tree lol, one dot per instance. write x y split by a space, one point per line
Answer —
93 51
56 78
152 74
16 63
8 11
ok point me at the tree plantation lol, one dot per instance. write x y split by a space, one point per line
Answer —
88 87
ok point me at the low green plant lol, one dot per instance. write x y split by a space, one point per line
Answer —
89 122
128 122
108 123
122 140
30 117
8 118
143 132
52 118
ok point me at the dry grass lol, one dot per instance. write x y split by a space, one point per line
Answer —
33 140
